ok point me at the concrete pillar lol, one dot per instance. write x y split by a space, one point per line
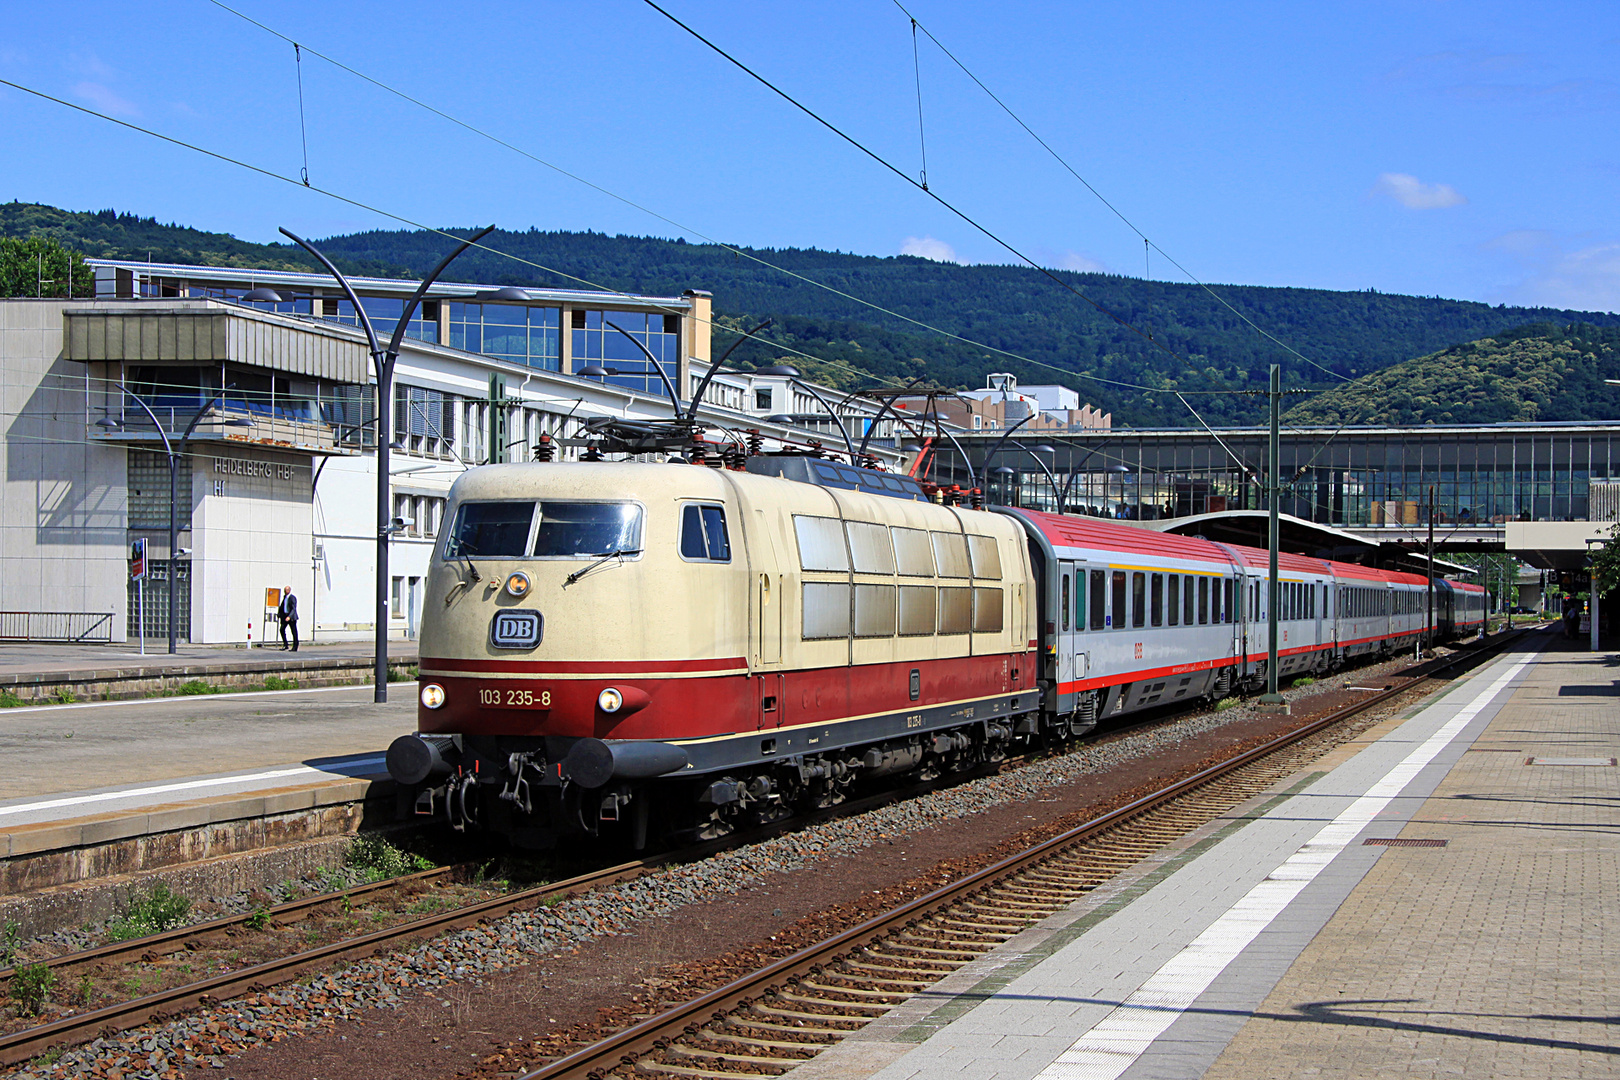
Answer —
695 337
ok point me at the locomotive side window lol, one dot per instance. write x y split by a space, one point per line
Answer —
917 610
826 610
1175 599
1117 616
821 544
950 551
870 545
1099 599
986 558
1065 601
703 534
913 553
987 611
1138 599
955 611
573 530
492 529
874 611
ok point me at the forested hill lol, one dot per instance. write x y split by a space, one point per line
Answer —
1204 345
1539 372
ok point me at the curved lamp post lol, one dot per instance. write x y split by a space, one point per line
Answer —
788 371
174 493
714 368
599 371
383 361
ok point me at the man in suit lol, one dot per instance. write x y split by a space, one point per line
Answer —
287 615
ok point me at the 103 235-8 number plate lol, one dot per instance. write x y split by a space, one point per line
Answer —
509 697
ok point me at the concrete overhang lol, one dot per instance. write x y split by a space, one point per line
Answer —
1555 545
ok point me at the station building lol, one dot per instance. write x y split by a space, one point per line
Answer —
272 405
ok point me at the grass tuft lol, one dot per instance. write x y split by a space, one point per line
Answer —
31 987
377 859
151 912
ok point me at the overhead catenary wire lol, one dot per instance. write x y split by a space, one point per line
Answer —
916 71
303 130
686 228
1104 200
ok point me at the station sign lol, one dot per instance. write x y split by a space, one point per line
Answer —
137 559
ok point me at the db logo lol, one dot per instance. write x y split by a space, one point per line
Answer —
1139 650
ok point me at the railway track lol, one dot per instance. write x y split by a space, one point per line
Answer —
791 1010
914 970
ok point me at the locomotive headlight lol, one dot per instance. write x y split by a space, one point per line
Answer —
609 700
432 695
518 584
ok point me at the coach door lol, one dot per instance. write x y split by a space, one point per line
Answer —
1070 578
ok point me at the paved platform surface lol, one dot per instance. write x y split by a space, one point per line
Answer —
91 763
1279 943
37 659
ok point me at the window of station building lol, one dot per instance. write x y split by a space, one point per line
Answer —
1174 592
517 332
595 340
917 610
913 553
1099 599
762 400
1203 601
955 611
703 533
352 413
987 611
1065 602
1117 587
874 611
1156 601
424 419
384 313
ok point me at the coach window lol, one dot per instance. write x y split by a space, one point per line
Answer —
1203 600
1175 599
1099 599
1117 616
1215 600
703 534
1065 601
1079 599
1187 602
1138 599
1231 591
1158 600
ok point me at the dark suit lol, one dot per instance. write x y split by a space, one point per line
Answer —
287 615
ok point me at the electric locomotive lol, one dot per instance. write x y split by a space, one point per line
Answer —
630 649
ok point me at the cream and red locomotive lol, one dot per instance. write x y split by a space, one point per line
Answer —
618 647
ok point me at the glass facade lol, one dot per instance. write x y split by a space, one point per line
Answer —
595 341
1365 478
524 335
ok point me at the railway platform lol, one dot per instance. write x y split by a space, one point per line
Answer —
1433 899
122 787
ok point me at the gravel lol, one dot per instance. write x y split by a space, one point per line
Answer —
204 1039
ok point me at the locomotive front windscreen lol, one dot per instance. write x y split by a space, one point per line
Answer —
559 530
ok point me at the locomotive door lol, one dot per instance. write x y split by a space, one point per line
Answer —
768 616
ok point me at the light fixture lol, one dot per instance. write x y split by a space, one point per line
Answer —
1043 448
595 371
505 292
432 695
779 418
1003 470
110 423
609 700
264 295
237 421
787 371
518 584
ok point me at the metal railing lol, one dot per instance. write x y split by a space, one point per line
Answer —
71 626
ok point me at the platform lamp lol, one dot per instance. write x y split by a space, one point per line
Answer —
1006 474
383 363
111 423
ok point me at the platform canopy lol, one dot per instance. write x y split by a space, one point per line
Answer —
1300 537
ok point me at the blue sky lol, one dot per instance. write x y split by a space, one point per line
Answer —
1440 148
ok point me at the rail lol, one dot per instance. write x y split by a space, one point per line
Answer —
68 626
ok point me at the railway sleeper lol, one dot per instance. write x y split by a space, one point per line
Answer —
822 1031
862 996
932 949
662 1069
827 1019
873 1008
769 1044
908 985
938 971
721 1055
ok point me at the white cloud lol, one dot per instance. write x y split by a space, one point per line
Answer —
104 99
927 247
1585 280
1414 194
1073 260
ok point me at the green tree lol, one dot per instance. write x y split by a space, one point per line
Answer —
39 266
